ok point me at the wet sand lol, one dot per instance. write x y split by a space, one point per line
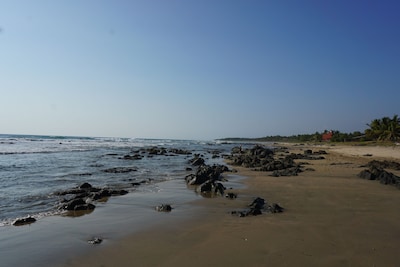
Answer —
332 218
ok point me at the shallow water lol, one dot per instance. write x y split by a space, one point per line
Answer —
34 168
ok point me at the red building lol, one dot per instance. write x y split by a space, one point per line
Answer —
327 136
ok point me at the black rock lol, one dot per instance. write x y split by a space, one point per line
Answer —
275 208
257 207
164 208
231 195
72 204
86 186
85 207
120 170
95 241
197 161
24 221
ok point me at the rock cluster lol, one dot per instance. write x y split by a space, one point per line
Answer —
84 195
260 158
153 151
257 207
376 171
207 178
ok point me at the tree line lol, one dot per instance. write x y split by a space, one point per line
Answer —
384 129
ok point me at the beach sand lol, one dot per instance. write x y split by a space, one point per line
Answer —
331 218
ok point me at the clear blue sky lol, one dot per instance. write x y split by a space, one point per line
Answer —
197 69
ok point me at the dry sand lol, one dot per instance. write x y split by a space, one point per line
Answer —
332 218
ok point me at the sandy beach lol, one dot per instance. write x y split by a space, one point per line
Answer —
331 218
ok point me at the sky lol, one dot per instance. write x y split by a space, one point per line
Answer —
204 69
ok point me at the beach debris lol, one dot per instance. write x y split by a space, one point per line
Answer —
95 241
164 208
24 221
257 207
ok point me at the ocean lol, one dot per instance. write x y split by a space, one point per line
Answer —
33 169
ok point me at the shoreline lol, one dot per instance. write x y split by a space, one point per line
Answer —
331 218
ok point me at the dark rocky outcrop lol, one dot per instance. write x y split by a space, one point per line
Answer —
120 170
179 151
293 171
24 221
257 207
207 178
197 160
384 164
82 197
257 156
132 157
212 187
376 172
260 158
206 173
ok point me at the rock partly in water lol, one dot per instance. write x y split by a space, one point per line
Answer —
120 170
95 241
213 188
206 173
197 160
164 208
84 195
24 221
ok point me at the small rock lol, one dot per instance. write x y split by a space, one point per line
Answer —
95 241
231 195
164 208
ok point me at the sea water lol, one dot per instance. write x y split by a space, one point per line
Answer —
34 168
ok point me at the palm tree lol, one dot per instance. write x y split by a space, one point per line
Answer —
392 132
385 129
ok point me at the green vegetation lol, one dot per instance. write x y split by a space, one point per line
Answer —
385 129
381 130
